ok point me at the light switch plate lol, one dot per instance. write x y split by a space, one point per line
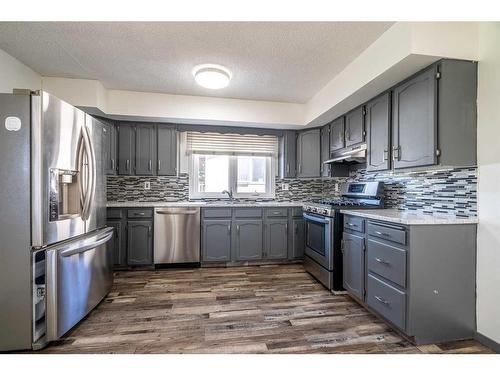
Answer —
147 185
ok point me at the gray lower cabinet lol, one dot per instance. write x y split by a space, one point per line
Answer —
276 239
354 126
109 147
167 151
325 150
308 153
216 241
414 131
378 122
419 278
337 134
297 239
139 242
248 239
126 150
354 264
145 150
119 254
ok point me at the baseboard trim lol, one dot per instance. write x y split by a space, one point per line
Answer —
486 341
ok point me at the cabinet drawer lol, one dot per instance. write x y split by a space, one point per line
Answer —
387 261
277 212
354 223
114 213
139 213
297 211
387 233
248 212
387 301
216 212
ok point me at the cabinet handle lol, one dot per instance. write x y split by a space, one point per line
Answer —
238 230
381 300
150 164
385 155
396 153
113 164
382 261
300 168
342 246
382 233
286 227
127 164
149 231
348 135
159 164
229 229
288 168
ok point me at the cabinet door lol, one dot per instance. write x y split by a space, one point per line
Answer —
308 153
248 239
139 242
289 154
216 241
119 255
414 128
325 150
354 264
276 239
297 238
126 149
354 127
167 151
109 148
145 150
378 121
337 133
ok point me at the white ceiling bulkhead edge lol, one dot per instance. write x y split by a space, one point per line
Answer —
402 50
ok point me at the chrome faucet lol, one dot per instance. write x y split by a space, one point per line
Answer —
229 194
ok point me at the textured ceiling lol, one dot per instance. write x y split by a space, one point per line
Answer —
284 61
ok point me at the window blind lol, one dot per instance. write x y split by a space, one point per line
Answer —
232 144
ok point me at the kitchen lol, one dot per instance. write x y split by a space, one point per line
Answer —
333 209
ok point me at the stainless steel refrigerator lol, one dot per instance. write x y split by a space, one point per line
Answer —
55 265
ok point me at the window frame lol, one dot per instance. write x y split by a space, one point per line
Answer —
233 180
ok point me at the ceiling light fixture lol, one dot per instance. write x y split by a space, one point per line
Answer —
212 76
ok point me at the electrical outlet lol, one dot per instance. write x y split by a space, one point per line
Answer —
285 187
336 186
147 185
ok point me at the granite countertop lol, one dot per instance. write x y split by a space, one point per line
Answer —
203 204
410 218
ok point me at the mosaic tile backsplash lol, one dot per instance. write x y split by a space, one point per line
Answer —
451 191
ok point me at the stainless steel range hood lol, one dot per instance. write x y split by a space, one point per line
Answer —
355 154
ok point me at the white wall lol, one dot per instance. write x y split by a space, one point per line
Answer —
488 238
16 75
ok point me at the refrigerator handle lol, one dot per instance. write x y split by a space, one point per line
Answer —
90 174
72 250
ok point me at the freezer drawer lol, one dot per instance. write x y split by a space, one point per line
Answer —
79 275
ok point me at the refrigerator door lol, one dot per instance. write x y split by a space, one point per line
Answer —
78 276
96 214
62 170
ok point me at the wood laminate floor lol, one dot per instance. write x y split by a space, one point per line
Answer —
256 309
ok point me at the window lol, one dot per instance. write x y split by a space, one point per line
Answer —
243 164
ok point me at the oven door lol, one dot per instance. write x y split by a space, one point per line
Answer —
319 239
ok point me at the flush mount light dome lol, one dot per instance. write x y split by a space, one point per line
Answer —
211 76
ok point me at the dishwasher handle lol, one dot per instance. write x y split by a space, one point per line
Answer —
177 212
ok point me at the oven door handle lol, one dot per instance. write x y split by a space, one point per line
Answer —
315 219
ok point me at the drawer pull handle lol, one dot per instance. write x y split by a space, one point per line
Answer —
276 212
382 261
139 214
351 224
382 233
381 300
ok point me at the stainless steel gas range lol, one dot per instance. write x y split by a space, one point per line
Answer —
323 230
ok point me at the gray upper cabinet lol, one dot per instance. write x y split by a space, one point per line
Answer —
139 242
378 121
337 134
126 149
288 155
414 128
354 264
248 239
145 150
308 153
276 238
325 150
216 241
109 148
355 126
167 151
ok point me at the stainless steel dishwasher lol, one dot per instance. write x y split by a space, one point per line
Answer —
177 235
